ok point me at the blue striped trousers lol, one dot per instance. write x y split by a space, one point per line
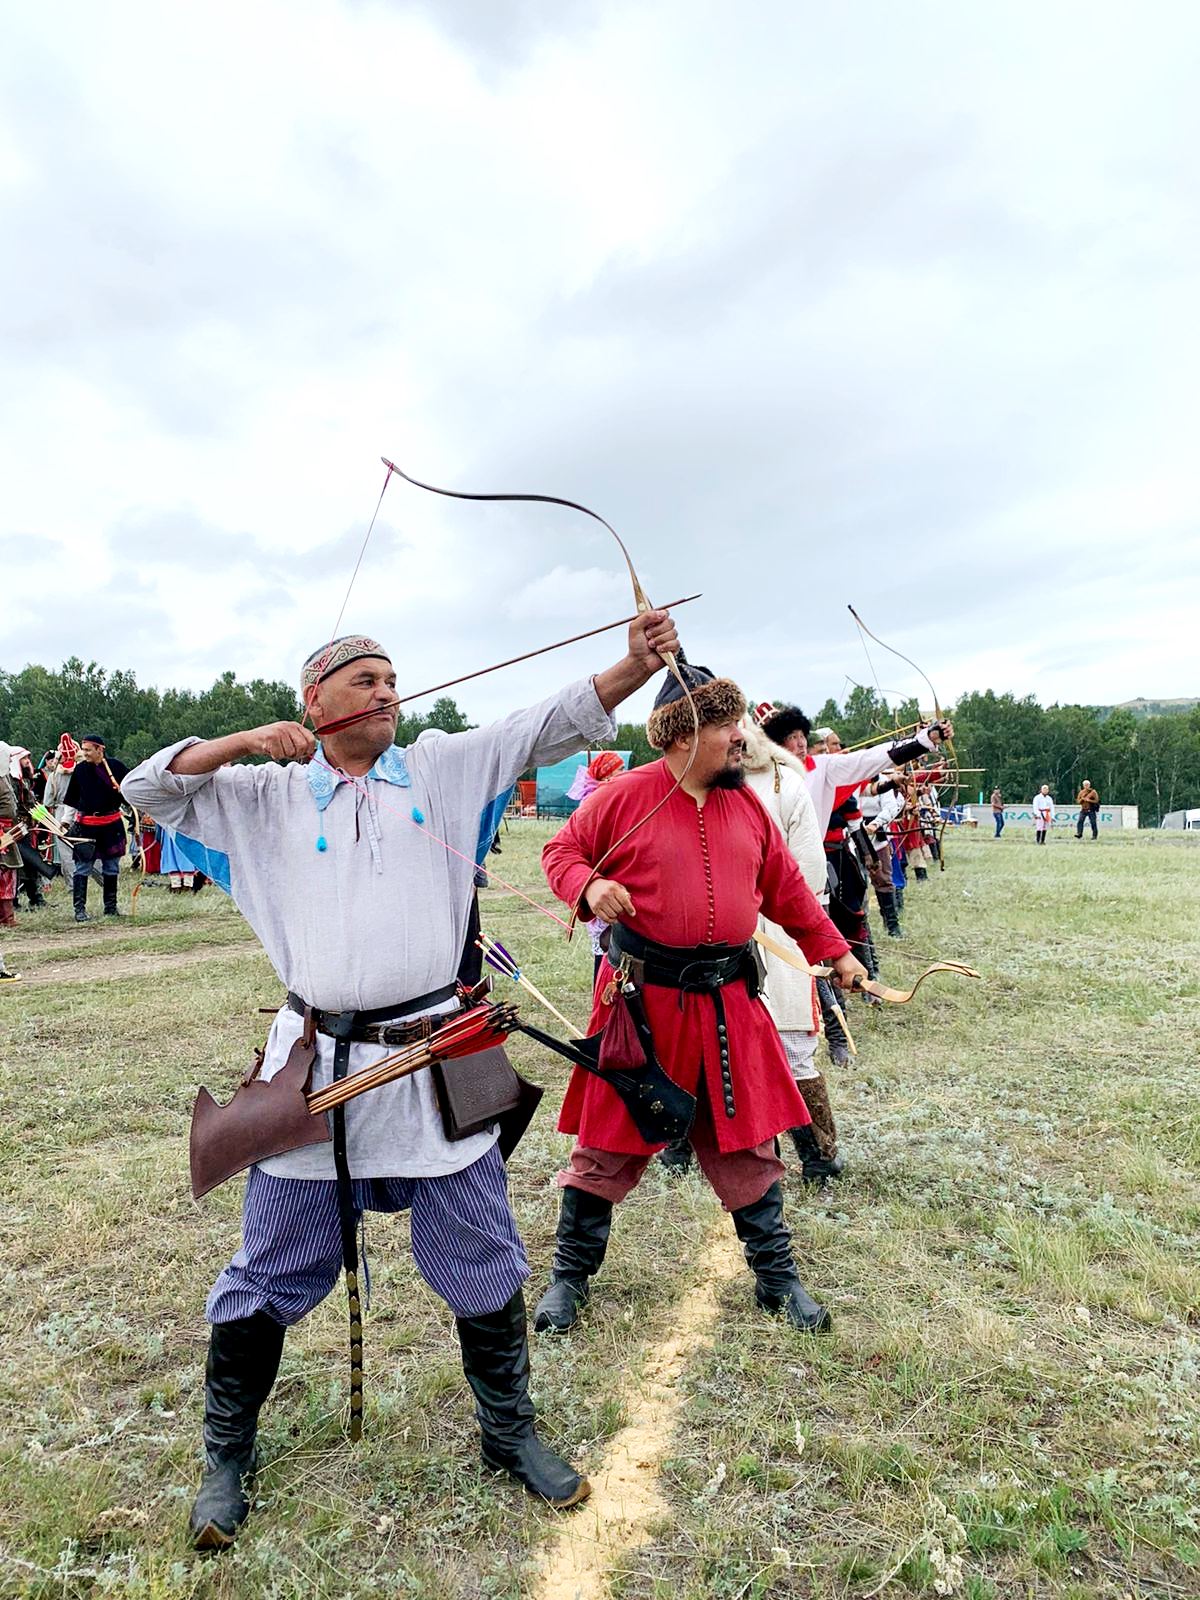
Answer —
464 1241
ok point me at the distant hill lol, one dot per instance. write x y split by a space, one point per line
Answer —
1141 707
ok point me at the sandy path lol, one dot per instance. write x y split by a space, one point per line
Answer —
25 940
625 1498
95 969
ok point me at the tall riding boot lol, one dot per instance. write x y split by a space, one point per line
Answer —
890 913
868 955
110 896
495 1358
768 1247
835 1035
816 1143
243 1359
584 1220
898 891
79 885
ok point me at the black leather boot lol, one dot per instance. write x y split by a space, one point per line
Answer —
890 913
816 1143
898 891
79 885
495 1358
922 874
243 1358
768 1247
869 957
110 897
835 1035
584 1220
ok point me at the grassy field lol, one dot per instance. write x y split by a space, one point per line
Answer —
1009 1404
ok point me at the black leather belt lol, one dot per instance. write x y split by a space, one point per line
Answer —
698 969
380 1025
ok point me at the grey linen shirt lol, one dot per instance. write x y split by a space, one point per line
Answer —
377 917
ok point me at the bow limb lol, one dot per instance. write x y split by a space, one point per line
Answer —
948 744
789 957
641 605
901 997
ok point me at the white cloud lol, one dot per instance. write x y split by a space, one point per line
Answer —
890 305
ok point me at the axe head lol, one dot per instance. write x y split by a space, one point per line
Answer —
262 1119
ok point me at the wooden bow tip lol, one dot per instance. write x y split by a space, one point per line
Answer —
901 997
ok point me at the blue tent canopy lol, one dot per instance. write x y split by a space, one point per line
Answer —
553 783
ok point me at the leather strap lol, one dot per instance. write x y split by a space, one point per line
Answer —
369 1026
341 1030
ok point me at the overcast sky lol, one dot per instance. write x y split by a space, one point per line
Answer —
891 304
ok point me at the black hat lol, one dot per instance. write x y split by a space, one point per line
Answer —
716 700
781 724
93 738
672 689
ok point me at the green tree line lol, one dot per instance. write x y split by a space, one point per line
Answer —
37 705
1150 762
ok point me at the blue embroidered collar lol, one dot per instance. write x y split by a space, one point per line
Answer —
323 781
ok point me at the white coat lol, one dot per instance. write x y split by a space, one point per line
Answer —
777 778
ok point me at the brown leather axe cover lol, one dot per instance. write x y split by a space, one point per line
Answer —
263 1119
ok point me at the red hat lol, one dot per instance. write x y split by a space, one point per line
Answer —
606 765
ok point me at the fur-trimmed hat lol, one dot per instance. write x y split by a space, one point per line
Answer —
717 700
781 724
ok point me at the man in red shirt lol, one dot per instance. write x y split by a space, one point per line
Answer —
682 896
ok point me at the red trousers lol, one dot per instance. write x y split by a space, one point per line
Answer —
739 1177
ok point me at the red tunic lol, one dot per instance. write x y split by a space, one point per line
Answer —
696 875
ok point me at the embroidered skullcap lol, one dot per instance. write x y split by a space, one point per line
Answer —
338 653
94 738
822 733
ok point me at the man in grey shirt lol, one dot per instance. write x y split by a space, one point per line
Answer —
354 865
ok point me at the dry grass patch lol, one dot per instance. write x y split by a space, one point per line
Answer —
1007 1406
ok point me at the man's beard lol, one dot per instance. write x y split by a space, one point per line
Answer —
728 778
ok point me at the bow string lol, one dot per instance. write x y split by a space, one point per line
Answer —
641 605
947 744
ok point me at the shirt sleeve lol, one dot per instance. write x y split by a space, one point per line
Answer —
216 808
856 766
568 859
787 900
483 764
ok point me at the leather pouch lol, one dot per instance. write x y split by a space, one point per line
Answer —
475 1091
